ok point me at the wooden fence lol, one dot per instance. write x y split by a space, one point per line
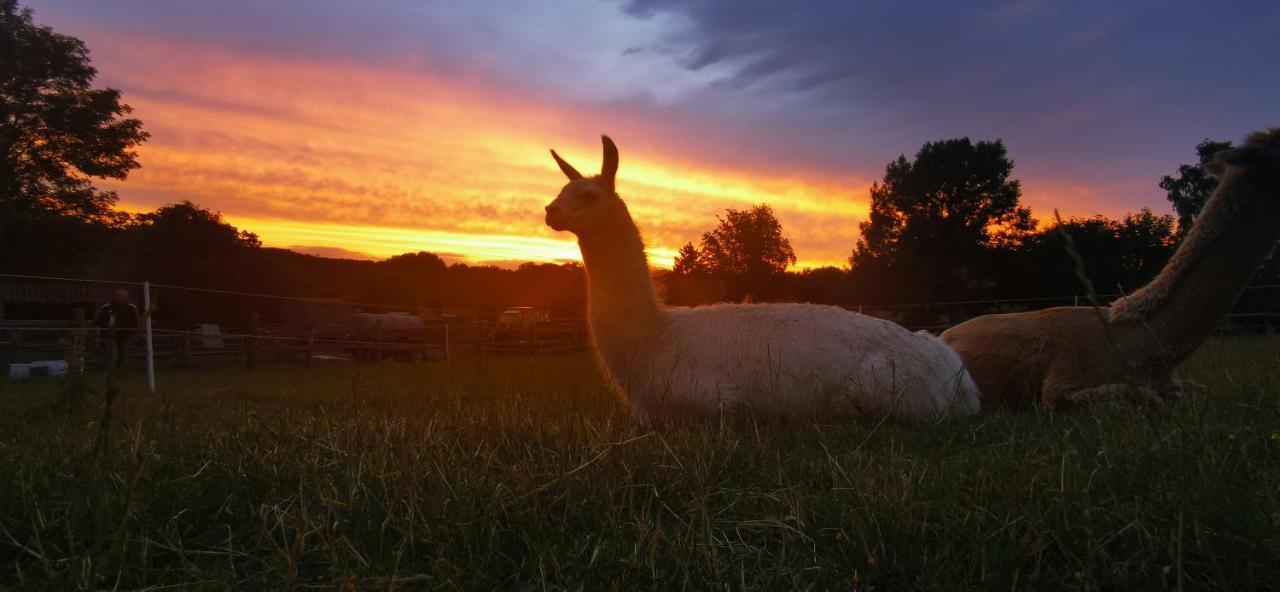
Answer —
251 345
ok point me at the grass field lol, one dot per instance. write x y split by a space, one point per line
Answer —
525 473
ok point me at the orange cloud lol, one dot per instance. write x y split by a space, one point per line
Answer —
1076 199
381 162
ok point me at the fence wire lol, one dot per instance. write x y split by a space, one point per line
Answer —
558 335
406 307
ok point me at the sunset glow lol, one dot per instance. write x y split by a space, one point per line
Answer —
381 241
433 139
380 163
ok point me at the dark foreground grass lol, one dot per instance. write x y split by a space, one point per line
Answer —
525 474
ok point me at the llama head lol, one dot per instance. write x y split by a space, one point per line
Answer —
586 204
1260 151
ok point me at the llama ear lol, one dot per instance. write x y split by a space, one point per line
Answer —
609 170
568 169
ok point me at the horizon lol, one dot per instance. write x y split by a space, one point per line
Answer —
391 128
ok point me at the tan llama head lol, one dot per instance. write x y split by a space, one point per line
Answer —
587 204
1260 153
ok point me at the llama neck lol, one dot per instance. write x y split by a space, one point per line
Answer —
621 297
1183 305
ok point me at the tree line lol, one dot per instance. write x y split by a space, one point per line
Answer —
947 224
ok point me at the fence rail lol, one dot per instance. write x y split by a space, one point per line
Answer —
250 345
25 342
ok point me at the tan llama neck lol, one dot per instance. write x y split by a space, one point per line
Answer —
1234 234
620 289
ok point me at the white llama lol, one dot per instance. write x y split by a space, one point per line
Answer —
771 360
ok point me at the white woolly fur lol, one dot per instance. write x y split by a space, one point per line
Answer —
779 360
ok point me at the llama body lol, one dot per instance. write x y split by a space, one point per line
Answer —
770 360
1074 356
785 360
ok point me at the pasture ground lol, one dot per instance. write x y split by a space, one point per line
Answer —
510 473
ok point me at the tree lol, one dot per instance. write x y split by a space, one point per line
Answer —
747 243
56 131
688 262
933 219
1118 255
187 225
1194 184
747 248
419 263
823 285
186 244
1147 241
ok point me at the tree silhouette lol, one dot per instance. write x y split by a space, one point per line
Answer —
1118 255
1146 243
420 263
828 285
1194 184
56 131
747 243
688 262
932 219
747 248
186 244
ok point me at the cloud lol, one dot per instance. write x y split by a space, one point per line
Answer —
332 252
580 49
269 139
434 117
1127 87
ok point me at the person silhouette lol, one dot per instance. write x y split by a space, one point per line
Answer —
120 320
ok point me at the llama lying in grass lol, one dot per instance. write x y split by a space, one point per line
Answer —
1076 356
770 360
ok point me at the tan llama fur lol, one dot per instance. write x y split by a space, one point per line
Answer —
1079 356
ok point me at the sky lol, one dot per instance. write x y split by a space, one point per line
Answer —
367 129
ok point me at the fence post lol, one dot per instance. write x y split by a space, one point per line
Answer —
448 358
146 323
251 343
184 344
79 347
426 343
311 340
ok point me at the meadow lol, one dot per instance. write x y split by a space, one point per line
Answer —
525 473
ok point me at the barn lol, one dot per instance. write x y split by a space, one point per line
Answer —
37 315
41 299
